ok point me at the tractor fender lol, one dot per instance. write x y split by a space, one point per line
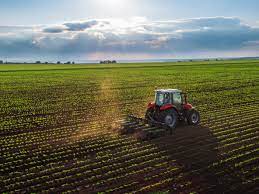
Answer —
168 107
187 106
151 105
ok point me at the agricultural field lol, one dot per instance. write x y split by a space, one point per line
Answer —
59 129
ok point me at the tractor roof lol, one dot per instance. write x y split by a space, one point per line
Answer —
169 90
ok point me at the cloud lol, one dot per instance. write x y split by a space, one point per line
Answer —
80 26
70 26
55 29
141 37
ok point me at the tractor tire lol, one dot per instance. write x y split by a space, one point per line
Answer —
193 117
170 118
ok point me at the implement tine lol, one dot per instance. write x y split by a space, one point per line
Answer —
145 121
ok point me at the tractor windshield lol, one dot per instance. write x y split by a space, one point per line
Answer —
162 98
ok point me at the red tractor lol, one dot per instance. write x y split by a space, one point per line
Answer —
171 106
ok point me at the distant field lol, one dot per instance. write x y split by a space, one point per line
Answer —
58 129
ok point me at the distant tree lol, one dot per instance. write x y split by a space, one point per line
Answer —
58 62
108 62
68 62
38 62
46 62
1 62
73 62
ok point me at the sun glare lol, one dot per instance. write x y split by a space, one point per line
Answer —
111 2
112 7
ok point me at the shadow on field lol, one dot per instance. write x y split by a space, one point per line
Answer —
194 148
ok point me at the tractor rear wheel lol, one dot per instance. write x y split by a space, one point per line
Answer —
193 117
170 118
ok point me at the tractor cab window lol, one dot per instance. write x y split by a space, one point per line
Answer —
162 99
167 98
177 98
159 99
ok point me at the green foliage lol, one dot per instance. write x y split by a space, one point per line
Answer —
58 128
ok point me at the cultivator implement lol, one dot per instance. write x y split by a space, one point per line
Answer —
149 121
143 129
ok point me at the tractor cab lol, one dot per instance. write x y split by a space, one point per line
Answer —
170 96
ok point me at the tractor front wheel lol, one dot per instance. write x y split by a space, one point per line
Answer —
170 118
193 117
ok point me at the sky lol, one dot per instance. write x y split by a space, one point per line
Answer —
127 29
